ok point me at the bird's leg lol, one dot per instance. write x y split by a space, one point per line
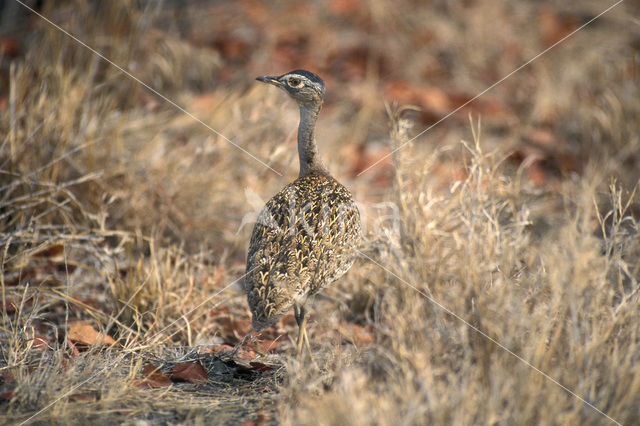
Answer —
306 341
307 302
300 314
300 310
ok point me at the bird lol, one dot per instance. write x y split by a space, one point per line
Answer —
306 236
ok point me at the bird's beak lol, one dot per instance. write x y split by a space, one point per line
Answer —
270 80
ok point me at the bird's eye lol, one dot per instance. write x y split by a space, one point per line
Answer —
295 82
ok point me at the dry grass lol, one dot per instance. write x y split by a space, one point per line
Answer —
118 210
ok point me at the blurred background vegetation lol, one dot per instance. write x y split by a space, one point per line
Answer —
517 211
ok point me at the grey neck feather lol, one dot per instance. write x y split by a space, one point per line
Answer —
310 161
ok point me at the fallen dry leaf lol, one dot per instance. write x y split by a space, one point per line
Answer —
8 394
246 354
153 378
344 7
10 307
40 342
259 420
435 102
9 47
204 103
221 348
555 25
85 333
358 335
265 345
192 372
7 378
83 397
74 349
219 311
55 250
259 366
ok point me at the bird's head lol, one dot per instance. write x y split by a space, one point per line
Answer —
303 86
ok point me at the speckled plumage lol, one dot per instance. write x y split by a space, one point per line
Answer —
303 241
306 236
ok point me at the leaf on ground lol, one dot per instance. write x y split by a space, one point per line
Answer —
432 99
221 348
367 156
259 366
205 103
40 342
248 365
83 397
153 378
7 383
259 420
219 311
344 7
74 349
435 103
264 345
9 47
555 26
55 250
192 372
358 335
85 333
7 378
10 307
7 395
233 49
246 354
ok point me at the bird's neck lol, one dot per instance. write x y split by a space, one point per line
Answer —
310 161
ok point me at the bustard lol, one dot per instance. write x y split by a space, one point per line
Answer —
307 234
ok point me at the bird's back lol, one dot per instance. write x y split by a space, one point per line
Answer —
305 238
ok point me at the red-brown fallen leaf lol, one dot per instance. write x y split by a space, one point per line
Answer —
192 372
204 103
536 174
359 335
221 348
85 333
7 377
66 363
153 378
259 366
265 345
230 327
259 420
344 7
288 319
555 26
83 397
40 342
429 98
9 47
74 349
380 158
435 103
8 394
246 354
55 250
219 311
10 307
233 49
542 138
255 12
